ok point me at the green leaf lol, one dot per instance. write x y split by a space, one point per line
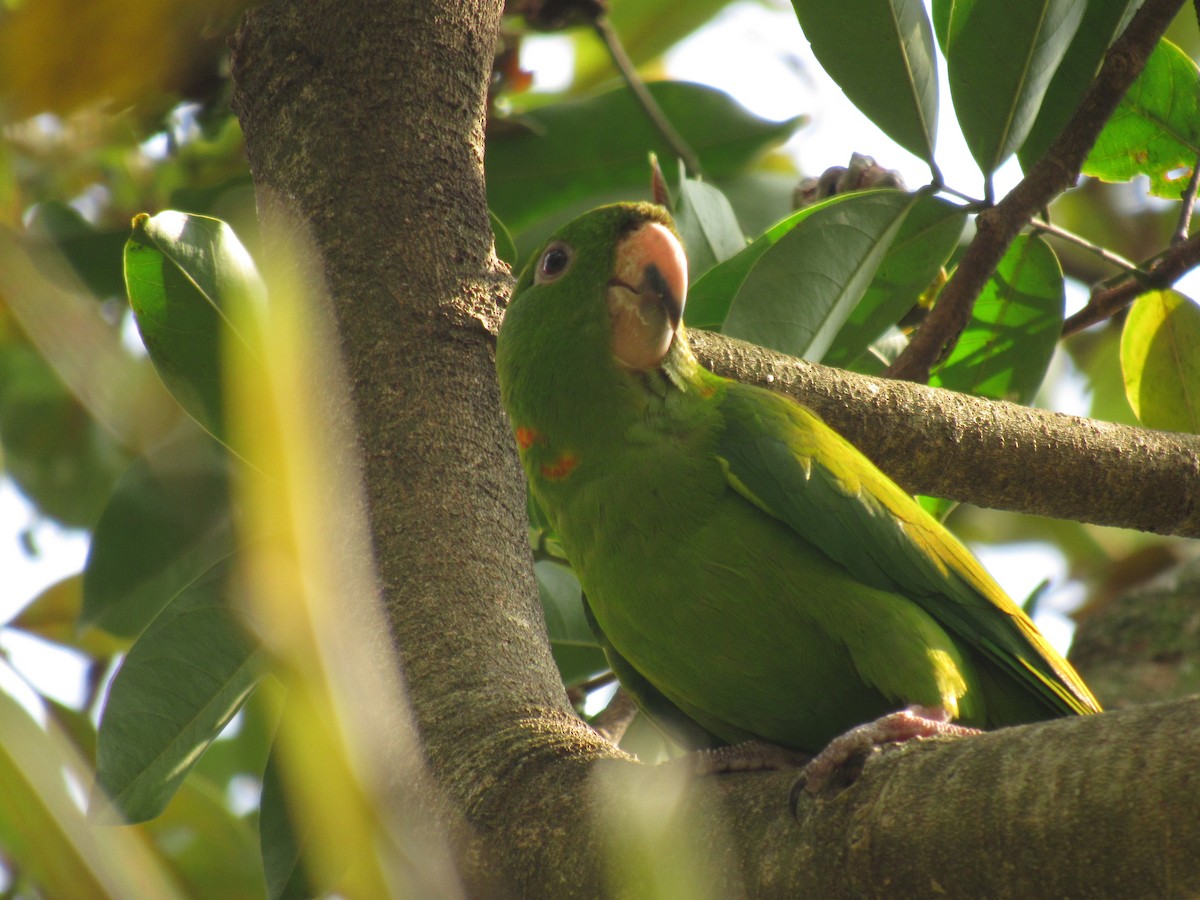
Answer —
707 224
882 352
1160 358
1093 352
183 680
168 520
43 830
938 507
1000 58
572 152
184 273
562 600
575 648
1005 349
1102 23
209 846
927 237
54 616
94 255
279 844
59 456
1155 130
506 250
710 296
799 293
880 52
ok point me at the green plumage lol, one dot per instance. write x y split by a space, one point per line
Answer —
753 574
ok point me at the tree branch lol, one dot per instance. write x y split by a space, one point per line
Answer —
1056 171
1157 274
986 452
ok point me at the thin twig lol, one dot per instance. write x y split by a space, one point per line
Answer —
1105 254
973 204
1156 274
1056 171
659 119
612 722
577 693
1189 201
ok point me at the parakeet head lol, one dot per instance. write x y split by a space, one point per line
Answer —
597 309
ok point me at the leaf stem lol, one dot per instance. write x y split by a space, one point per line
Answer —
973 204
659 119
1189 201
1103 252
1157 273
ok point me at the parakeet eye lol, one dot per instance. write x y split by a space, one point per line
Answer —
556 259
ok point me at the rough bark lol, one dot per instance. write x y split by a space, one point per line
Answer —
364 119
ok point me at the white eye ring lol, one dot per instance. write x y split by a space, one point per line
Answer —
554 263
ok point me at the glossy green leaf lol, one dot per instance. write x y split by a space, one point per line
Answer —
799 293
880 52
562 600
929 234
1160 359
710 296
1006 348
707 225
243 751
506 250
938 507
1000 58
576 650
882 352
184 678
1155 130
169 520
280 846
571 152
1102 23
183 273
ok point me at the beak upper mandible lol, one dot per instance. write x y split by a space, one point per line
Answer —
651 261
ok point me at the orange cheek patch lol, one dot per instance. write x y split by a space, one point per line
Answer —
561 467
527 437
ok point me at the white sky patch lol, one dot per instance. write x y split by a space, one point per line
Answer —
551 59
51 668
61 552
1020 568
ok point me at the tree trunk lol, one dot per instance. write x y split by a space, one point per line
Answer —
365 120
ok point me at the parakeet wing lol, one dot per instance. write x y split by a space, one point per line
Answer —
784 459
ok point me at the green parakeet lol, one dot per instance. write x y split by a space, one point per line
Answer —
752 574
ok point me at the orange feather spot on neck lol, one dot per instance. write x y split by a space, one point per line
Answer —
527 437
561 467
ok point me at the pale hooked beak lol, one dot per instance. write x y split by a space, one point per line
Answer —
646 295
